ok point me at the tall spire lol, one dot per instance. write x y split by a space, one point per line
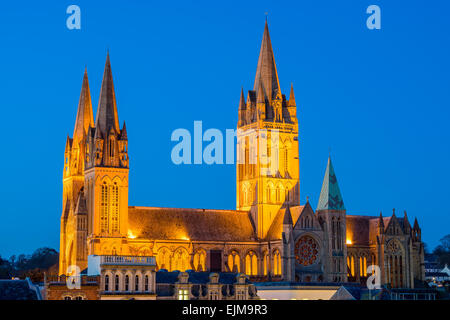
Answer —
292 97
330 195
84 117
242 100
107 117
266 71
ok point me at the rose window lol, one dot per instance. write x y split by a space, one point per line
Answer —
306 251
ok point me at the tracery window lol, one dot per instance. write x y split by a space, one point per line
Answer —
180 260
266 263
104 208
286 161
394 258
234 262
363 266
200 260
276 262
115 207
306 251
251 264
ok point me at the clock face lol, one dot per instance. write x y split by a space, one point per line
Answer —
306 251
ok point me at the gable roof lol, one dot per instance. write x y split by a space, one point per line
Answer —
192 224
276 229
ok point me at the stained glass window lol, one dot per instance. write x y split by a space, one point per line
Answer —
306 251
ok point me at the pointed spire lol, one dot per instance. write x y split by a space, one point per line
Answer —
416 224
287 219
68 143
107 117
266 71
330 195
123 133
260 94
84 117
393 212
381 221
406 224
291 102
242 105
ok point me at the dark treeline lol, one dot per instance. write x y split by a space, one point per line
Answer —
32 266
45 260
441 253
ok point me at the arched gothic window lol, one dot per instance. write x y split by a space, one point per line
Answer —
107 283
266 263
276 263
116 284
136 283
146 287
115 207
200 260
234 262
104 208
251 264
127 283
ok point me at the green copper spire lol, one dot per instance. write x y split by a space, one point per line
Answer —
330 195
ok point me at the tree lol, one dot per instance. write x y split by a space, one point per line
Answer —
445 243
442 251
35 265
43 258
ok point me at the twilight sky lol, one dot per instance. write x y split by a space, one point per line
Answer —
379 99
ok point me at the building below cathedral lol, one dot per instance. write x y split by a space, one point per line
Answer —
269 237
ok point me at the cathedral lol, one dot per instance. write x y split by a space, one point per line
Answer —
269 237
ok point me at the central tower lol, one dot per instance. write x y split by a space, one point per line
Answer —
267 176
106 175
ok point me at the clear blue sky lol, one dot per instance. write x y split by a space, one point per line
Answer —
379 99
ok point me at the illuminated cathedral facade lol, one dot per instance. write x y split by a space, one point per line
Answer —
270 236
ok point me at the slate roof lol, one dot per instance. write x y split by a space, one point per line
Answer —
358 229
276 228
330 196
362 230
17 290
192 224
436 274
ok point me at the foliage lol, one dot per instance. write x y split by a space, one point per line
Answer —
442 251
32 266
